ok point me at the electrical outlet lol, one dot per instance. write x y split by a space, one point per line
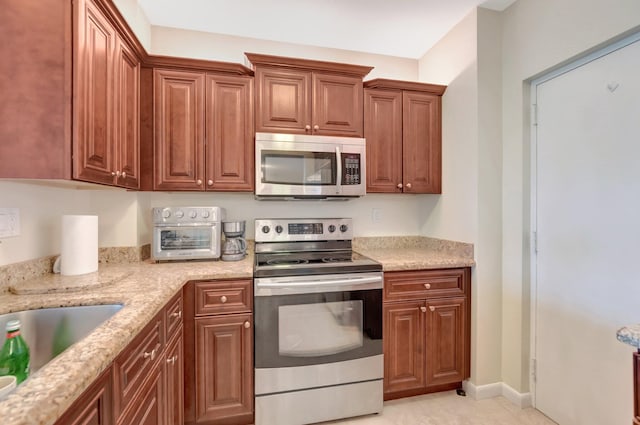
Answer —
376 215
9 222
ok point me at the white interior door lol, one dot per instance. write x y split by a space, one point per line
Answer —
588 233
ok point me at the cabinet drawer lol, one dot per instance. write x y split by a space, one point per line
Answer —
223 296
425 284
173 315
133 365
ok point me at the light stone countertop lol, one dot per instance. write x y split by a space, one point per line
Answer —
144 289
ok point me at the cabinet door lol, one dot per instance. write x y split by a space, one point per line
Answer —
229 132
127 113
224 369
404 347
337 105
93 146
446 341
283 103
422 142
94 405
147 407
179 130
174 380
383 131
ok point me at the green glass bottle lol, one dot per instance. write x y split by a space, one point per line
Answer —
14 356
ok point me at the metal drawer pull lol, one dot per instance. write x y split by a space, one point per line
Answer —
172 360
152 354
247 325
427 286
432 308
223 299
177 314
423 309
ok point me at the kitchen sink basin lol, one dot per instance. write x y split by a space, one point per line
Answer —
49 331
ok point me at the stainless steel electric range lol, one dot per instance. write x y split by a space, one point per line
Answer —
318 323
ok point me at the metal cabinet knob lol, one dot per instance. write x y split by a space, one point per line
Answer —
113 173
199 182
316 127
210 182
152 354
177 314
408 185
223 299
172 360
123 175
247 325
432 308
307 127
399 185
423 309
427 286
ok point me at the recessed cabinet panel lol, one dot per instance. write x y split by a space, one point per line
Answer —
337 105
94 85
179 130
446 341
283 100
383 132
422 150
174 376
230 136
127 117
94 407
149 408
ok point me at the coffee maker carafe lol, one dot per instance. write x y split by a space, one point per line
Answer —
235 246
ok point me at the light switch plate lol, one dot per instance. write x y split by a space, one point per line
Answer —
9 222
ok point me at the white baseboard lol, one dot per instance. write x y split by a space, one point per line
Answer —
480 392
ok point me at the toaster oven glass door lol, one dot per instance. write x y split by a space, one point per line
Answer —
186 242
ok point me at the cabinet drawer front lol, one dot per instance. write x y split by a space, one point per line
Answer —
174 314
424 284
224 296
132 366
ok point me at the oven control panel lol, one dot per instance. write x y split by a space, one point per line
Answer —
303 229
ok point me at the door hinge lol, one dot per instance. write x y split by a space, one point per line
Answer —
534 114
533 370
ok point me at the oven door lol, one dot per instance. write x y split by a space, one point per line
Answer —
314 331
186 242
314 166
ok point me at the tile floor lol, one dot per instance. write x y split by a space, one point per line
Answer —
448 408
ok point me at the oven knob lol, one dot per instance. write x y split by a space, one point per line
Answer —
205 214
193 213
166 214
265 229
179 214
278 229
332 228
343 228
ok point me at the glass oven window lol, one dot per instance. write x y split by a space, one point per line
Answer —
310 330
185 238
299 168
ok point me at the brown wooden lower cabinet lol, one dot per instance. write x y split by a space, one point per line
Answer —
148 407
174 378
219 352
426 331
94 406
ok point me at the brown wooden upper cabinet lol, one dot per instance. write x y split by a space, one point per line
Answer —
106 110
308 97
203 137
402 125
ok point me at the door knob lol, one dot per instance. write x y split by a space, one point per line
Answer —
307 127
399 185
210 182
427 286
199 182
432 308
223 299
423 309
316 127
247 325
409 185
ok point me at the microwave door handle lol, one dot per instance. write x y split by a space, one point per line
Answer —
339 173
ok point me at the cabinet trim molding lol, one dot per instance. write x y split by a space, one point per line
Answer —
307 64
384 83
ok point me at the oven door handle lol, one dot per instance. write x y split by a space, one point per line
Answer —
264 287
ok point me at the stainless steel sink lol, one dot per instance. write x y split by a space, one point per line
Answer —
40 327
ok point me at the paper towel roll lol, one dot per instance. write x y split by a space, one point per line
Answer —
79 251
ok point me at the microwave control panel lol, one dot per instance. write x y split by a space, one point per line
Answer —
351 169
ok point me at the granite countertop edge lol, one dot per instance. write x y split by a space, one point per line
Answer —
144 290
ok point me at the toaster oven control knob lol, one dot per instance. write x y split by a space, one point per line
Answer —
265 229
278 229
193 213
166 214
205 214
179 214
332 228
343 228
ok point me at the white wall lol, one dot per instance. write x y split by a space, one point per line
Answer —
42 207
226 48
468 61
137 20
538 35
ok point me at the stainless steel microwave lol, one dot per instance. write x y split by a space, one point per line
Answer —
292 166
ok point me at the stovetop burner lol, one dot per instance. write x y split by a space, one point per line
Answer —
285 261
